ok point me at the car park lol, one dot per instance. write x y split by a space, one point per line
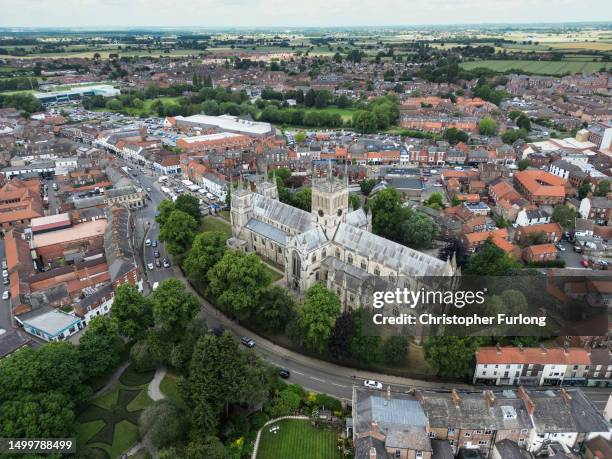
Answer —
248 342
371 384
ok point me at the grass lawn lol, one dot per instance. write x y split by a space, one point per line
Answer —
297 439
538 67
273 272
345 113
210 223
169 387
125 435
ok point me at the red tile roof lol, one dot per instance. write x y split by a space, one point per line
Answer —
535 355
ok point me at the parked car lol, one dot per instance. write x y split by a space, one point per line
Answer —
6 280
156 254
4 265
248 342
4 273
148 242
371 384
6 295
584 263
155 285
578 248
560 247
158 263
150 266
166 263
284 373
153 243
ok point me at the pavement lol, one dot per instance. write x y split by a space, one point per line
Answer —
153 389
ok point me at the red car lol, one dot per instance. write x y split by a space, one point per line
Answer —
584 263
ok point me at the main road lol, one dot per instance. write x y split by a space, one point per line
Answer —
313 374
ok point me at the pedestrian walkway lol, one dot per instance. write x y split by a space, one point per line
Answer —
153 390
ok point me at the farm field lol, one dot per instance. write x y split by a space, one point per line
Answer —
538 67
297 439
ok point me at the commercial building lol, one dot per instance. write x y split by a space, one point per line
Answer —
213 142
75 94
226 123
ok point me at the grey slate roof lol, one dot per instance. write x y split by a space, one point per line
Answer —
388 253
357 218
268 231
401 411
297 220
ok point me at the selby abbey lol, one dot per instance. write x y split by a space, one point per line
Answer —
333 244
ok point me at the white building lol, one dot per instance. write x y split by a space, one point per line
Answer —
528 217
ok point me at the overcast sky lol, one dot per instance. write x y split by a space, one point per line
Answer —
293 13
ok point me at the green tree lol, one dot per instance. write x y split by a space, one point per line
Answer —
317 317
285 403
418 231
100 346
523 164
190 205
164 209
394 350
603 188
455 201
387 213
354 201
276 308
565 216
365 121
584 190
164 423
238 281
435 201
132 312
173 307
487 126
523 122
178 232
367 185
490 260
206 251
299 137
453 356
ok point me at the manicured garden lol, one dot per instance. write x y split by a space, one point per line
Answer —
297 439
109 425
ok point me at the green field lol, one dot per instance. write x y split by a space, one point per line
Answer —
297 439
539 67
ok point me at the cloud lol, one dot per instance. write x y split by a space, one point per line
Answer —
292 13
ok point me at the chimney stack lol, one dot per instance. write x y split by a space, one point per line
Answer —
455 398
566 396
529 405
372 453
490 398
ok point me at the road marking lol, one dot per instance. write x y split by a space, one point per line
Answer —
298 373
317 379
337 385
